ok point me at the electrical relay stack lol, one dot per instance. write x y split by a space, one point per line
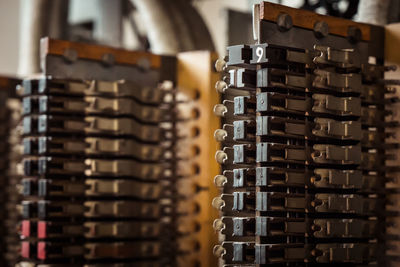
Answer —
111 160
83 170
306 143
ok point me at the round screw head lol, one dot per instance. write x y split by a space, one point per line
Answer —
354 34
220 110
284 22
220 135
220 65
219 251
221 86
220 180
218 203
218 225
321 29
221 157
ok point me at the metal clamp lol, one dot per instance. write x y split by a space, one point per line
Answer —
330 154
343 58
343 106
344 83
344 130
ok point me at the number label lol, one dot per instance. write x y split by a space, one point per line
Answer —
259 53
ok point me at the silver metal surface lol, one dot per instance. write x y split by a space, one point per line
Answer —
39 18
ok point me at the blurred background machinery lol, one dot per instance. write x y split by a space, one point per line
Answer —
115 158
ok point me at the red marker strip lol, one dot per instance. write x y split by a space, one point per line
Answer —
26 228
42 230
25 249
41 250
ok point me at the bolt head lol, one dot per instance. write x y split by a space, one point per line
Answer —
354 34
284 22
321 29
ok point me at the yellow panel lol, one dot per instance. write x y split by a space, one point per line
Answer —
197 78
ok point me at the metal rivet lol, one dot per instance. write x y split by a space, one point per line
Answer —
354 34
284 22
321 29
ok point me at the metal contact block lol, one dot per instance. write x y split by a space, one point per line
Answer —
280 226
120 88
54 188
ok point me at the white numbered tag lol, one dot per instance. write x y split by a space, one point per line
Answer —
259 53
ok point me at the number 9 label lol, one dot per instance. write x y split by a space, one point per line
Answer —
259 56
259 53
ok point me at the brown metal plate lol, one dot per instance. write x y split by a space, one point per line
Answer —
307 19
97 52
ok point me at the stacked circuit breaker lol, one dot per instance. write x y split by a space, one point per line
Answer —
111 161
304 156
93 170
